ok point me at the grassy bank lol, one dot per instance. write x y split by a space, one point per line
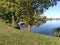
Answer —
11 36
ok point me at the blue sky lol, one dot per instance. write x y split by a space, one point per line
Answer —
53 11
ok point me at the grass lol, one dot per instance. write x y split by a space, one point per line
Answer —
11 36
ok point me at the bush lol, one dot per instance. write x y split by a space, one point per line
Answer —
57 32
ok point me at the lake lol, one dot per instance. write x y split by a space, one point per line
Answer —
46 28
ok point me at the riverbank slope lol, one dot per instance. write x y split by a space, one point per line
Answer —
11 36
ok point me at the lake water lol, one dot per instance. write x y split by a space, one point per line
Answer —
46 28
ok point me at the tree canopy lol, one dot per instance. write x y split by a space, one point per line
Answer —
24 10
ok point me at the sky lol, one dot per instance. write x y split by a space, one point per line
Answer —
53 12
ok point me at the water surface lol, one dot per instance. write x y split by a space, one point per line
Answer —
46 28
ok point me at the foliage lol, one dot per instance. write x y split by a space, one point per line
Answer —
24 10
57 32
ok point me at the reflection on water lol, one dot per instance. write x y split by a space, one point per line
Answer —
46 28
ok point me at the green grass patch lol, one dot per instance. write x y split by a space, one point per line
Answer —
11 36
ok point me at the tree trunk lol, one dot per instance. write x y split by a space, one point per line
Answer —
17 21
29 28
13 22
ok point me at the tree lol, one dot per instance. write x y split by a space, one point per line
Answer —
10 8
25 10
34 7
